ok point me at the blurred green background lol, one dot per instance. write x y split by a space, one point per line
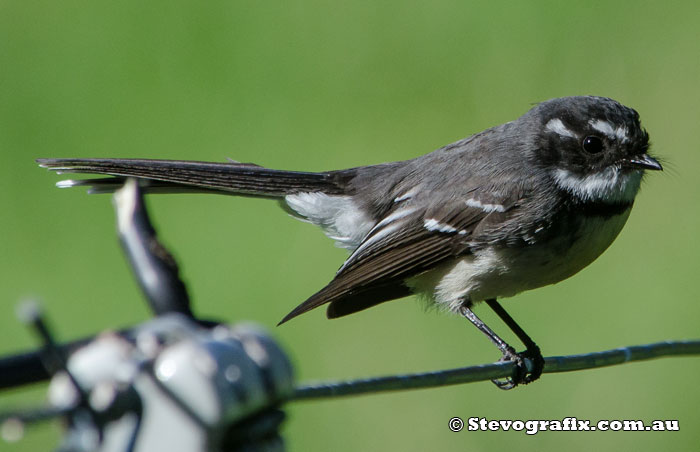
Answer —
316 85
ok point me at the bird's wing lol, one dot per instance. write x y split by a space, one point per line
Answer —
407 241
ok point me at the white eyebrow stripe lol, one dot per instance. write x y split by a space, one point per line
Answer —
621 133
606 128
603 127
485 207
555 125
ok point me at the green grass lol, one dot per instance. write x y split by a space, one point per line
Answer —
314 85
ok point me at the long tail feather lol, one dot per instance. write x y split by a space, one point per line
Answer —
176 175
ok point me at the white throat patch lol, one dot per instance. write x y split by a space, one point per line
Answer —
611 184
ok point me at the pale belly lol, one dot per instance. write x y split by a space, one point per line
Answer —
504 272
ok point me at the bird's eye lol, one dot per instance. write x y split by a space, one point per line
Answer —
592 144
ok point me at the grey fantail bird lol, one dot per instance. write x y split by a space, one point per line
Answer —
515 207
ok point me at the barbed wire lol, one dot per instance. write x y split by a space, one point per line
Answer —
485 372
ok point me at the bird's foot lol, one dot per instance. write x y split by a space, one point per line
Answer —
523 373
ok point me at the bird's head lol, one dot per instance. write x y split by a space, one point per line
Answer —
593 147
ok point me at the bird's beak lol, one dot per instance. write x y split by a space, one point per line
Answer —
645 162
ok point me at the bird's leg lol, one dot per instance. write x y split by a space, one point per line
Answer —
508 352
521 375
532 351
